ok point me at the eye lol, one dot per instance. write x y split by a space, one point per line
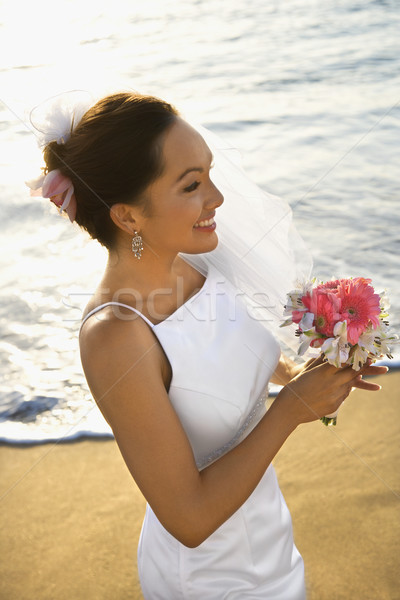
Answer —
192 187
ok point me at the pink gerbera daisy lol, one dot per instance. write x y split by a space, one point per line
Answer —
360 306
325 308
330 286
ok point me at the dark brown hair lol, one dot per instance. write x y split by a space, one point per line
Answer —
112 155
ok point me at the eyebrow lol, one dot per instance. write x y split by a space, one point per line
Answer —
196 169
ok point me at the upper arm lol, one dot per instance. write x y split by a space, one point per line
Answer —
123 364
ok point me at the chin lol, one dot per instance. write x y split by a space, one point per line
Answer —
207 246
215 244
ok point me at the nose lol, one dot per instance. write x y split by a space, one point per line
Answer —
215 197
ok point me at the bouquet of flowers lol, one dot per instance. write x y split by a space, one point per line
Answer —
345 318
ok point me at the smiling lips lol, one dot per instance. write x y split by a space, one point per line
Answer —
205 224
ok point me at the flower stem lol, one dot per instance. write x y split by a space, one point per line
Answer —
329 421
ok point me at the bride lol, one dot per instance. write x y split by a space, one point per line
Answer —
176 359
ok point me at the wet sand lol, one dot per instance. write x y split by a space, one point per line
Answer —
71 513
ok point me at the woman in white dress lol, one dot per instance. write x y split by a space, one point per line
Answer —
177 363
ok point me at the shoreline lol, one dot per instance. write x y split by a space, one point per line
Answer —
71 513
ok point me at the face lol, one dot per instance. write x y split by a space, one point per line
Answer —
183 199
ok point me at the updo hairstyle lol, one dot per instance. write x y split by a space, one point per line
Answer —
112 155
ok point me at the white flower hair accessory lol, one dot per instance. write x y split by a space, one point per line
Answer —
56 118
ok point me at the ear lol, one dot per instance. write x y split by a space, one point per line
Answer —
125 217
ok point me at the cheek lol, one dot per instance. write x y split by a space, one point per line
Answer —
179 214
189 211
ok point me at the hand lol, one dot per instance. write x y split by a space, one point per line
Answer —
359 382
319 388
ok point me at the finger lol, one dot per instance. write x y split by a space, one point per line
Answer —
313 362
372 370
367 386
347 373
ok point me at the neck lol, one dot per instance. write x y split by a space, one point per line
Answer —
149 272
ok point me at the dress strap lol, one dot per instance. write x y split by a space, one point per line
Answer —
95 310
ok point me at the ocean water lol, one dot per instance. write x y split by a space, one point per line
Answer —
308 91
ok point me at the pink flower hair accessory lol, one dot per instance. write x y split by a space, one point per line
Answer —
58 188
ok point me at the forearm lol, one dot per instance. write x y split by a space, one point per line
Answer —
226 484
210 497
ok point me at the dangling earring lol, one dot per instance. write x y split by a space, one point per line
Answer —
137 245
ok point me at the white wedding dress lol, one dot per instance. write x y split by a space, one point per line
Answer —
222 359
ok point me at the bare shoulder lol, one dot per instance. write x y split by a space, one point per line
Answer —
116 325
117 345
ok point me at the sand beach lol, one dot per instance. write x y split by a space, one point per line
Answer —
71 513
